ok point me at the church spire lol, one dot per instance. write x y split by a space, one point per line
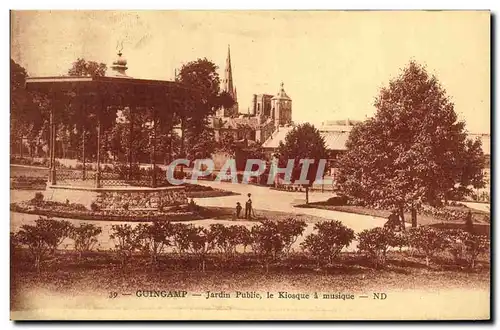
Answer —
228 75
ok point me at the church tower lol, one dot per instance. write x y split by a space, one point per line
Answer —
228 86
282 108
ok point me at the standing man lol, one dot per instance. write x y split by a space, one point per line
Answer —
248 207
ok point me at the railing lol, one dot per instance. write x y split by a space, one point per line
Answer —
118 176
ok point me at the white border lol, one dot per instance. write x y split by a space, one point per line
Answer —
189 4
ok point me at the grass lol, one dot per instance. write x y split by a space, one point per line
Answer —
210 193
228 213
423 219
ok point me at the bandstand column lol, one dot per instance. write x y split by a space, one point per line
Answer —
153 151
52 169
84 170
98 170
130 139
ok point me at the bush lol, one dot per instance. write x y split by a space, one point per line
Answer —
180 237
201 242
126 241
474 246
428 241
266 242
153 238
289 230
43 238
225 238
338 201
38 199
85 237
328 242
94 207
375 243
465 245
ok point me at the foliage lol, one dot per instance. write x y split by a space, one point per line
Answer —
428 241
38 199
329 240
266 241
413 151
376 242
202 79
225 238
181 237
201 242
289 230
153 238
82 68
302 142
43 238
126 241
466 245
94 207
85 237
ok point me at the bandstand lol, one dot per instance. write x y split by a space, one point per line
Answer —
101 97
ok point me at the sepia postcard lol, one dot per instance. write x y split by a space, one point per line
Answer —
250 165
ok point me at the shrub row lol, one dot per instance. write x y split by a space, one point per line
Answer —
270 241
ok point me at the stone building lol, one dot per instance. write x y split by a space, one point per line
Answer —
265 116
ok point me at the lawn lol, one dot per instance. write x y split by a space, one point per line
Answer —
228 213
423 219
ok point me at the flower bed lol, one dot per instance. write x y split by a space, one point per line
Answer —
28 183
78 211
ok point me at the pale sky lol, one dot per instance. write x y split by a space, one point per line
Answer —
332 63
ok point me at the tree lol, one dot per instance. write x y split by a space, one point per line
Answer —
302 142
26 117
376 242
82 67
329 240
201 242
428 241
85 237
203 81
43 238
289 230
153 238
126 241
413 151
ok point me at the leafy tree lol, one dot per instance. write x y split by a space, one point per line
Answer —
266 242
428 241
181 237
474 246
226 238
413 151
82 67
126 241
376 242
203 81
85 237
43 238
244 237
153 238
329 240
26 118
302 142
201 242
289 230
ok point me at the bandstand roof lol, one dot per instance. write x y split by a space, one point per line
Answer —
124 89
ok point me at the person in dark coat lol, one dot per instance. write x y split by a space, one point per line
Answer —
248 207
393 221
238 210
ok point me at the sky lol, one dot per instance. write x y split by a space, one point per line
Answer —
332 63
